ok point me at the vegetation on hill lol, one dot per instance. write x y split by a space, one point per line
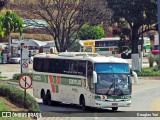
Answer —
16 96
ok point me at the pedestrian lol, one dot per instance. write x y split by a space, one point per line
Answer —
7 57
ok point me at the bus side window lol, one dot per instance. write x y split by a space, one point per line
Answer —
46 65
40 65
90 75
59 66
74 67
35 65
82 68
66 67
51 65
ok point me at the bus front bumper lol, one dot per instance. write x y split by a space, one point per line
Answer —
110 104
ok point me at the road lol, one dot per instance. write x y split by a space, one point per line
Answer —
141 101
144 98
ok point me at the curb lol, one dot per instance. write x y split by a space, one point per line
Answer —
13 83
6 79
150 78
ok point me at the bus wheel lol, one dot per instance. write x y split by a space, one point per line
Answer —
82 103
129 56
114 108
49 101
44 98
123 55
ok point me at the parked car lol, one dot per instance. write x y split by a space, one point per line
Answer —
17 60
155 50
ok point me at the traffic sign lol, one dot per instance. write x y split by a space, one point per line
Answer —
25 81
24 58
25 65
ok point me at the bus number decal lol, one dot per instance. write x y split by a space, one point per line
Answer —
37 77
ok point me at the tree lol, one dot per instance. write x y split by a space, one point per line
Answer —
91 32
136 13
66 17
3 3
10 22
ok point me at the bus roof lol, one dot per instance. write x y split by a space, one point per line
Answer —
94 57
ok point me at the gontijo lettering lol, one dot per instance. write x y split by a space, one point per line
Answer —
74 82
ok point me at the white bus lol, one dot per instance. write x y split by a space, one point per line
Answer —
86 79
109 47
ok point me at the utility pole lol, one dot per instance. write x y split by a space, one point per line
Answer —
141 51
158 7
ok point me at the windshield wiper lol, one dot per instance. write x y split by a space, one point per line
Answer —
109 89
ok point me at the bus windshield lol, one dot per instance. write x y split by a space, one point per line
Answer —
113 79
113 84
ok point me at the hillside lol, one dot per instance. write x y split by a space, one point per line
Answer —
34 33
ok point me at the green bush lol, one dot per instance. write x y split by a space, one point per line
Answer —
149 72
151 60
16 96
157 60
16 76
3 76
91 32
157 68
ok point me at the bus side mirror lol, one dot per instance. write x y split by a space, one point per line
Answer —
94 77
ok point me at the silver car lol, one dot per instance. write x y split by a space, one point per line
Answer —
17 60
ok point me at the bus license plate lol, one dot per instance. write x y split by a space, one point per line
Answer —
115 104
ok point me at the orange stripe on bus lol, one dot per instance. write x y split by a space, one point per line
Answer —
53 88
51 79
58 79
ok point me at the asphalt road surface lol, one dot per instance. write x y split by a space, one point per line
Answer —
143 100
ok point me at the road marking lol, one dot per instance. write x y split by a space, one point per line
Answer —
156 105
96 118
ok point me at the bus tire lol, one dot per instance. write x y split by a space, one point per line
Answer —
44 98
49 100
82 103
114 108
129 56
123 55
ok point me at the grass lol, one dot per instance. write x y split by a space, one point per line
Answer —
148 72
3 106
7 106
16 96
